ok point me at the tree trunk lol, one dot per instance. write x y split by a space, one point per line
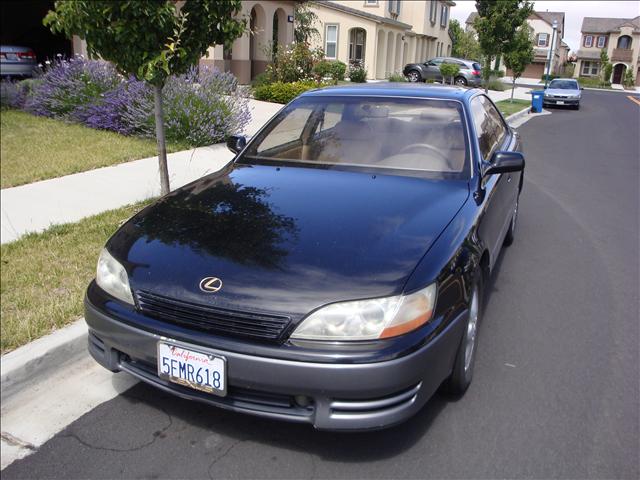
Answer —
162 147
513 87
486 73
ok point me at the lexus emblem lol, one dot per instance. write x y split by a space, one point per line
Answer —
210 284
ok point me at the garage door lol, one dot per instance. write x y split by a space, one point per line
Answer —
533 70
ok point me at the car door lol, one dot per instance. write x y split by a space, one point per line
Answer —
499 192
432 70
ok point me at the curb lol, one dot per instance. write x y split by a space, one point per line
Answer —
34 361
518 115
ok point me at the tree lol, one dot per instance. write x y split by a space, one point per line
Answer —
496 26
150 39
449 70
519 53
605 67
465 44
305 21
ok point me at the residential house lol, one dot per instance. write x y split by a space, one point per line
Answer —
620 37
270 23
541 23
383 35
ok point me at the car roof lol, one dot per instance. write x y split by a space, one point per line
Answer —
395 89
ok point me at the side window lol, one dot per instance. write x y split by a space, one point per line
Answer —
287 131
332 115
490 128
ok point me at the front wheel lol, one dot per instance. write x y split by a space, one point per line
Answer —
462 373
414 76
461 81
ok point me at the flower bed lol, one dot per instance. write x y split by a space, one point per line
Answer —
201 107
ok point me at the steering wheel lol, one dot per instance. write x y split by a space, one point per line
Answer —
426 147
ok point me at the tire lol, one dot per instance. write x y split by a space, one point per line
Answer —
414 76
510 236
461 81
462 373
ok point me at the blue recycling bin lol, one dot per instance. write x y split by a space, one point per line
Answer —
536 100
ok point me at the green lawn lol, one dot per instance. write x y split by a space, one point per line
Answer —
507 108
44 275
35 148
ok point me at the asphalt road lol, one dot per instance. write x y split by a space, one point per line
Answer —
556 391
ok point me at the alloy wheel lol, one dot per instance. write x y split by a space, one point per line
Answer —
472 330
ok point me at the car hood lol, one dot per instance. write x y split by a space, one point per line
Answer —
286 239
563 92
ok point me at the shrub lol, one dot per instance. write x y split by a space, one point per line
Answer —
496 85
204 108
357 73
69 87
127 109
333 69
11 94
261 79
397 77
550 77
593 82
449 70
281 92
293 63
628 80
496 73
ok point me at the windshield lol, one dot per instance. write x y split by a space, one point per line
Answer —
424 135
564 84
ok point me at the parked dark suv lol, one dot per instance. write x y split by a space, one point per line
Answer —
470 71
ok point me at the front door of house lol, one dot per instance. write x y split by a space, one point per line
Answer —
618 73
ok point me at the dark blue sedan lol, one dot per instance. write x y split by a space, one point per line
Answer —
333 273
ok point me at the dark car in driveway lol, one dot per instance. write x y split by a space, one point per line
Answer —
332 273
470 73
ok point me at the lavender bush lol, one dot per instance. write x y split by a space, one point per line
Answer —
70 87
127 109
204 108
12 95
201 107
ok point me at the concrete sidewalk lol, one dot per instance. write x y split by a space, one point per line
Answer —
37 206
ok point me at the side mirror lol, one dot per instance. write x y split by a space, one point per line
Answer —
503 162
581 88
236 143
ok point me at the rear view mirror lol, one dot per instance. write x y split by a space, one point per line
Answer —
236 143
503 162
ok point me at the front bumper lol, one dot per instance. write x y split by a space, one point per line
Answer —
565 101
344 396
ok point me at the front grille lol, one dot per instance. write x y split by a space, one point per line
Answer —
214 320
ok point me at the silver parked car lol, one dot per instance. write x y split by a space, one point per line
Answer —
563 91
470 71
17 61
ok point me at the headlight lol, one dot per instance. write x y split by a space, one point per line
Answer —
112 277
369 319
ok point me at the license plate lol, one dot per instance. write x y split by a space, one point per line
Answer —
193 369
560 102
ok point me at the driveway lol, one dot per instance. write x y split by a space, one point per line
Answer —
556 386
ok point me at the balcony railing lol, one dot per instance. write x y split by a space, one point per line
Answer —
622 55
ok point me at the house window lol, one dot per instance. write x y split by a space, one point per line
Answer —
602 41
543 39
394 7
590 68
588 41
357 42
433 11
331 42
444 16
